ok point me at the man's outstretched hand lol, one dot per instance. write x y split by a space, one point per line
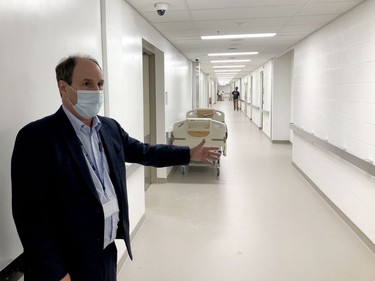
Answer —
207 155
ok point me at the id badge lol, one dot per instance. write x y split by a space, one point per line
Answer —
110 208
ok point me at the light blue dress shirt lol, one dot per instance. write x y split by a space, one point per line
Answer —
96 159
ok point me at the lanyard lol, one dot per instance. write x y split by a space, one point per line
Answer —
93 166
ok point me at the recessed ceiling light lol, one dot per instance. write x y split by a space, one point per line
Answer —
227 70
233 54
228 66
226 74
222 61
236 36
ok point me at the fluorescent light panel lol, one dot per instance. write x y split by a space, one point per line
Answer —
236 36
233 54
228 66
224 61
227 70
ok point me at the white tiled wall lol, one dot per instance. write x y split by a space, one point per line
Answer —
334 97
334 82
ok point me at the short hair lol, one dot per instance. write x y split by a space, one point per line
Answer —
64 70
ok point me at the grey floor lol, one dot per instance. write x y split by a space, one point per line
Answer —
260 220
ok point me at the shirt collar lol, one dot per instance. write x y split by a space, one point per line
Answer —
79 126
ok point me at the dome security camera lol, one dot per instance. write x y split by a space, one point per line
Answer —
161 8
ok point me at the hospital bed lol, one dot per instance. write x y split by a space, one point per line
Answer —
191 131
206 113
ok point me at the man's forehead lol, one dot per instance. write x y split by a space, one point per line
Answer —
87 69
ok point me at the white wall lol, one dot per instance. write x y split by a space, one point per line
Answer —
281 97
256 102
276 115
334 86
213 91
178 84
204 86
125 29
244 93
249 111
267 110
262 119
35 35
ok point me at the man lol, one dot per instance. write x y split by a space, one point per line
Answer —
235 95
68 175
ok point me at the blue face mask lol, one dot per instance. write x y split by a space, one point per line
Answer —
88 103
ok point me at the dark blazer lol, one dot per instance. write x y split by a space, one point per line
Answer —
56 208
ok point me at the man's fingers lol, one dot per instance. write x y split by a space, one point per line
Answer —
202 142
211 155
212 148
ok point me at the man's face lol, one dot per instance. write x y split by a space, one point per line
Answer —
86 76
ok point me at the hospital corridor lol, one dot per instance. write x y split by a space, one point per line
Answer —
259 220
110 109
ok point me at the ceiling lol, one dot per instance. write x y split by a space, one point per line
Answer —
186 21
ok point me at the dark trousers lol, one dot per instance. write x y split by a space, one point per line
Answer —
235 104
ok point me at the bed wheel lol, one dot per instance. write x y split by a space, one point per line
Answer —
217 171
183 170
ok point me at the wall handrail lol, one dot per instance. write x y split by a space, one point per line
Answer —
363 164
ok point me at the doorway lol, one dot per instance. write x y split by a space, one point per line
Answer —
149 110
251 98
261 98
245 96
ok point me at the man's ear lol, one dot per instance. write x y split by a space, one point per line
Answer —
62 87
